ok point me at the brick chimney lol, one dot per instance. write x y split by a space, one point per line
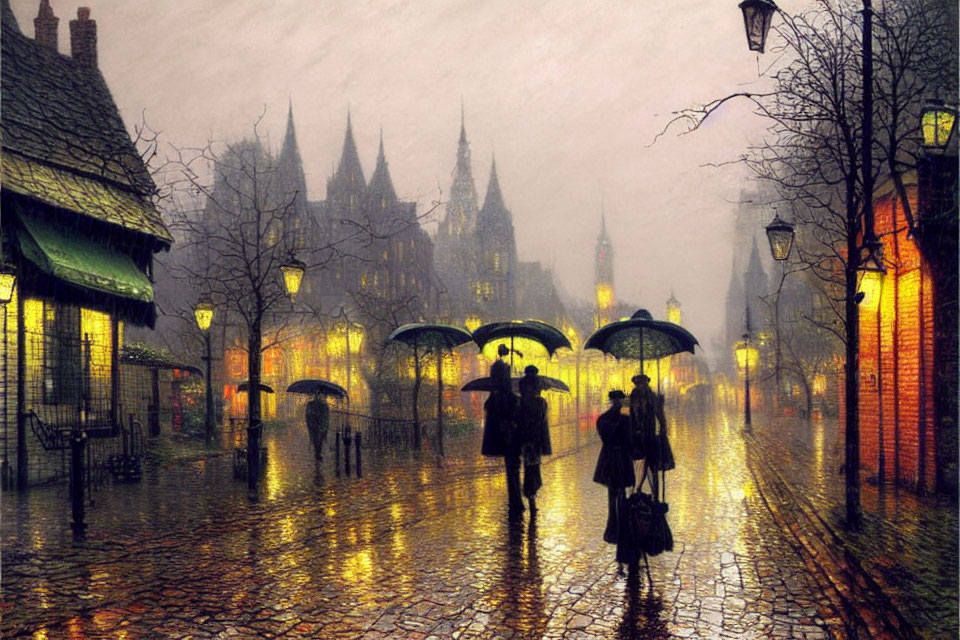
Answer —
45 26
83 39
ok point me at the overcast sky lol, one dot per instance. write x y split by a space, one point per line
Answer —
568 94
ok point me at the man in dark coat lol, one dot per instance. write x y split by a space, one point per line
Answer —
534 433
614 464
318 423
499 427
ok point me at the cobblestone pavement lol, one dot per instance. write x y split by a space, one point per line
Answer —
410 550
903 564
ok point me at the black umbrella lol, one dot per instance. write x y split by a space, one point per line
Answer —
486 384
245 386
640 337
547 335
431 336
316 387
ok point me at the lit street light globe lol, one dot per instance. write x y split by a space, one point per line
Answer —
780 235
937 123
203 312
292 275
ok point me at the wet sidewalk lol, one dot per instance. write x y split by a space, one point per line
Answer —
899 576
410 550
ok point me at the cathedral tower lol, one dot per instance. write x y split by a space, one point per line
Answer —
497 256
603 274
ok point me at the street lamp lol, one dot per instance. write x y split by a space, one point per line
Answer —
756 20
203 312
863 254
8 278
746 356
937 122
292 271
780 234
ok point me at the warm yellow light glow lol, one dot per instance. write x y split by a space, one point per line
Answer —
95 327
746 354
7 280
871 285
937 124
292 276
674 314
203 312
604 296
472 323
819 383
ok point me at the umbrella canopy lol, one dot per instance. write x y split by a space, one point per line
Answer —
641 338
546 384
427 334
547 335
317 387
245 386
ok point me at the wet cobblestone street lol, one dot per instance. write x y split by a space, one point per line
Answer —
410 550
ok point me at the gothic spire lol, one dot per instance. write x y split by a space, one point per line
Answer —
349 170
290 165
461 213
381 186
493 206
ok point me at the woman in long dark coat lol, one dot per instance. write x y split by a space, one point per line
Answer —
534 433
614 464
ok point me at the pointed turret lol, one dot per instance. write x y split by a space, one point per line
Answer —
497 264
381 191
494 212
461 215
603 272
346 188
290 166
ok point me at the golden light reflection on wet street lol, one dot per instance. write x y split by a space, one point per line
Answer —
410 549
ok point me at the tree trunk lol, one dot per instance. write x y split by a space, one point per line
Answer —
851 387
254 343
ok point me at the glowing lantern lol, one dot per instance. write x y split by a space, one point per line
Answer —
780 235
8 278
756 20
292 272
746 354
936 122
871 285
203 312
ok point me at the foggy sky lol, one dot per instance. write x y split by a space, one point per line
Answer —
567 94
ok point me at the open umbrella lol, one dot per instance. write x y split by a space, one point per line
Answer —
317 387
245 386
436 337
640 337
546 334
487 384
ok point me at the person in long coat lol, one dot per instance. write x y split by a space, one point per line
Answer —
534 433
499 429
318 423
643 410
614 464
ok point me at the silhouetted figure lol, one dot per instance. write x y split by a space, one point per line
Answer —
614 464
534 433
499 429
643 411
318 423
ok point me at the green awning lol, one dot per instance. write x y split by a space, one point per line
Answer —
82 261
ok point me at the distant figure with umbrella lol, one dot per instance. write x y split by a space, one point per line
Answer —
614 464
534 433
643 409
317 413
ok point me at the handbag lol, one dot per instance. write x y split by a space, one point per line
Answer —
644 527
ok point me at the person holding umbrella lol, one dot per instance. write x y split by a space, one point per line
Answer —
614 464
318 423
534 433
499 437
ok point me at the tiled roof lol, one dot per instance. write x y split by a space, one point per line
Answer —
59 119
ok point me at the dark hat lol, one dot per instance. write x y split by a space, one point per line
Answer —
531 370
640 378
616 394
503 350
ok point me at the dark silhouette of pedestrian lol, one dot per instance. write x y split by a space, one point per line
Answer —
534 433
614 464
499 429
318 423
643 412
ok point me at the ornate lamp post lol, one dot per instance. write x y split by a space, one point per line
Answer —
746 356
203 312
864 254
780 235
